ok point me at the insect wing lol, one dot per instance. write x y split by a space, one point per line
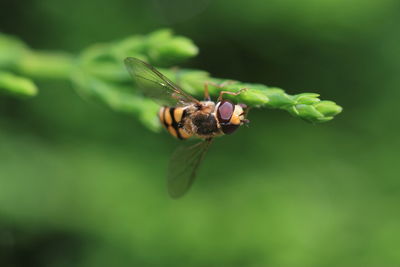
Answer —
183 166
155 85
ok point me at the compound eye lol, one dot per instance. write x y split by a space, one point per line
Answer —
225 111
229 128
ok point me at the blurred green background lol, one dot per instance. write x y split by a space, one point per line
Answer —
81 185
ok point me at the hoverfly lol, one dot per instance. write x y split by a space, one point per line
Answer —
184 116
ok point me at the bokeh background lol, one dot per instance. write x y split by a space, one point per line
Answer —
81 185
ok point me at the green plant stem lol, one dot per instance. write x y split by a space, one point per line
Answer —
99 73
46 65
306 105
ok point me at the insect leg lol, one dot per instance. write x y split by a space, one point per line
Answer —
230 93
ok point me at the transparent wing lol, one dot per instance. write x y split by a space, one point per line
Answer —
155 85
183 166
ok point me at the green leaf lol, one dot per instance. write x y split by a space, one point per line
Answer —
277 97
16 85
306 98
308 112
164 49
328 108
11 51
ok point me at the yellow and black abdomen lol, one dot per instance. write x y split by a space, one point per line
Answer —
172 119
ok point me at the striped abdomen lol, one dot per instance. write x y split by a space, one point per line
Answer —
172 119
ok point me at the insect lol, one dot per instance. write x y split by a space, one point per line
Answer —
184 116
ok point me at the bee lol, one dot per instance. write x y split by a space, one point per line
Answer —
184 117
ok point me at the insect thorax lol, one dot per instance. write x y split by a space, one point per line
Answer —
183 122
205 124
203 121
